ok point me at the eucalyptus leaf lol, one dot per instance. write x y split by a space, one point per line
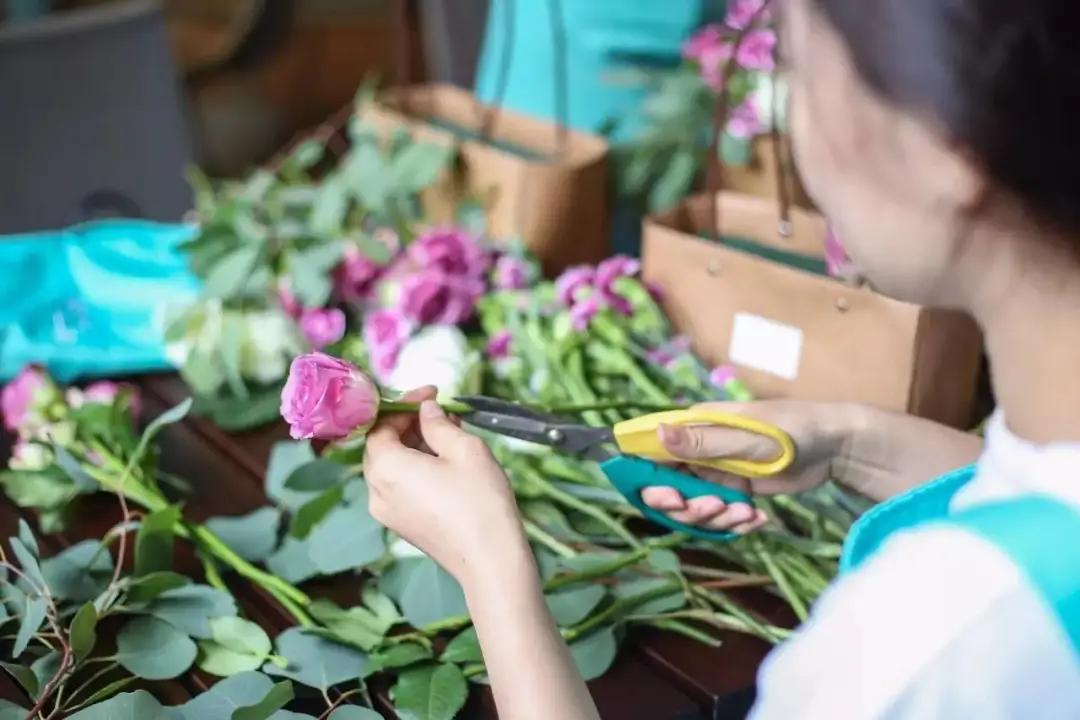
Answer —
665 603
664 561
29 564
83 631
349 712
153 649
252 536
109 689
237 646
292 561
278 697
316 476
154 542
393 580
418 165
285 458
26 537
170 417
431 594
79 573
73 469
310 283
46 489
398 656
464 648
594 654
433 692
230 274
11 711
328 212
348 538
569 607
675 181
45 669
316 662
138 705
226 696
314 512
191 608
355 626
24 676
33 614
152 585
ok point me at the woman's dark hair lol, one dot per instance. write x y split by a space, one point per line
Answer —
1001 76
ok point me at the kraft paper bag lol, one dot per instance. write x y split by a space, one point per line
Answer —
764 303
536 181
760 177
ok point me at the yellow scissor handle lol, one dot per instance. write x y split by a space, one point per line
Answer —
639 437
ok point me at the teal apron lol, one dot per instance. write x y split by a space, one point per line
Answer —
1039 534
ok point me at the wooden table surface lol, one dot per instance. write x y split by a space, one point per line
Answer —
656 676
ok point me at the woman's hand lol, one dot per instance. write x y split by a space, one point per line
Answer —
819 437
440 489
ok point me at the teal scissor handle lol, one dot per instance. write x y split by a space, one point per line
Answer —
630 475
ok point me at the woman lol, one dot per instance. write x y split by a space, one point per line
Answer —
941 136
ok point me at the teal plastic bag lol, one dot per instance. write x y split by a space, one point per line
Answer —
604 39
92 300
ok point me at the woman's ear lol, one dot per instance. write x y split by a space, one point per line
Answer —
953 178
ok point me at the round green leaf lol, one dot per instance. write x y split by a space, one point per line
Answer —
434 692
316 662
252 536
237 646
464 648
153 649
11 711
83 631
431 594
570 607
226 696
292 561
354 712
348 538
594 654
79 573
138 705
190 608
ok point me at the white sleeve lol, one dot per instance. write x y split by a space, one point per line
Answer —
938 624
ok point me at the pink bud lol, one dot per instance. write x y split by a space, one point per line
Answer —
512 273
610 270
721 376
104 392
355 276
700 43
452 250
582 313
745 122
19 396
385 333
327 398
322 326
757 51
498 347
569 285
836 257
740 13
288 301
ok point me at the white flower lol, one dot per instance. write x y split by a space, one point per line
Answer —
438 355
270 341
201 324
771 97
30 456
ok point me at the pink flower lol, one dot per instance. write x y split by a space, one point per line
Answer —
322 326
745 123
836 257
432 297
385 333
498 347
721 376
582 313
757 51
18 398
610 270
569 285
355 276
511 273
741 12
705 40
327 398
104 392
714 65
451 250
289 303
666 354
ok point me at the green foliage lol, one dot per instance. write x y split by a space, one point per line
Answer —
138 705
278 696
235 646
79 573
153 649
191 608
154 543
83 632
431 692
595 653
431 594
464 648
252 536
569 607
315 661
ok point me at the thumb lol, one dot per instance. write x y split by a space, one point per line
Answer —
709 442
438 431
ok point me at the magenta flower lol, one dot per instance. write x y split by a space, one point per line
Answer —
385 333
355 276
721 376
745 123
740 13
569 285
757 51
322 326
451 250
704 41
327 398
836 257
713 64
19 397
582 313
432 297
288 301
665 355
498 346
610 270
511 273
104 392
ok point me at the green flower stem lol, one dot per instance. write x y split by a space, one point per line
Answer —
394 407
616 564
807 515
746 621
583 507
539 535
782 582
677 626
213 577
228 557
620 607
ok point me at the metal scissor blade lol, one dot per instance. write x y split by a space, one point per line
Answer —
482 403
517 421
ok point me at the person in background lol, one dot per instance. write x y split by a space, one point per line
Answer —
941 137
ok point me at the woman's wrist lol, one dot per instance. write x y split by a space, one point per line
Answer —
506 564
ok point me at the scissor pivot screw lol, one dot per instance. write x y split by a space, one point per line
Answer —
555 435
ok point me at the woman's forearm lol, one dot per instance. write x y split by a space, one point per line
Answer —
532 674
889 453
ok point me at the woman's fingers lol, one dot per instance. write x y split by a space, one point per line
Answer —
708 442
708 512
663 498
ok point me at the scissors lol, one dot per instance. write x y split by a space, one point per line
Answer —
628 451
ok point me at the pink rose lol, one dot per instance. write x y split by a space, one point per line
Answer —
757 51
511 273
288 301
582 313
451 250
385 333
432 297
745 123
702 42
498 347
327 398
322 326
19 398
355 276
104 392
741 13
569 285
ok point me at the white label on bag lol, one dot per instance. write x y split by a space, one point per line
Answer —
766 345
